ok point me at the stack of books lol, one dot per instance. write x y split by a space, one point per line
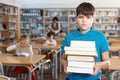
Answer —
81 56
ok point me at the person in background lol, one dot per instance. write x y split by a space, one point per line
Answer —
55 26
50 39
84 17
62 34
23 46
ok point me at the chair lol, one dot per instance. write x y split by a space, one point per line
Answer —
2 77
39 41
1 69
115 75
9 69
59 40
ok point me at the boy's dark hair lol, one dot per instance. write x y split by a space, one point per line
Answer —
49 34
61 31
85 9
55 18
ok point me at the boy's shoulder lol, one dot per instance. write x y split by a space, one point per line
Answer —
96 32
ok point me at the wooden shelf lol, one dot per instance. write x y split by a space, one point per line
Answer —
8 23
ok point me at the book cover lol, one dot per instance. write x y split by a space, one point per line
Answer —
83 44
80 48
81 64
82 53
21 54
79 70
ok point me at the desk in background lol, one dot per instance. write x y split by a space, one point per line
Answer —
10 60
57 49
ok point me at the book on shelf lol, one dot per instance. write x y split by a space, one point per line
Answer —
80 48
80 58
82 53
83 44
79 70
81 64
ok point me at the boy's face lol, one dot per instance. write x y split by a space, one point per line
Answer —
84 22
50 38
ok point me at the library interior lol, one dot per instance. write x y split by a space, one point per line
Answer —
50 40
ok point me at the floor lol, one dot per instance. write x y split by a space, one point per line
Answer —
48 76
61 76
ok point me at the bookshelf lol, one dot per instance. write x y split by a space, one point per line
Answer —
32 22
107 21
8 24
71 20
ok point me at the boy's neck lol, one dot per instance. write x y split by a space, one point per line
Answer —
84 31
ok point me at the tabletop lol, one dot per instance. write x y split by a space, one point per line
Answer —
10 59
114 63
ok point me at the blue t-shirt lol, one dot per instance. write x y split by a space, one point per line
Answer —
101 47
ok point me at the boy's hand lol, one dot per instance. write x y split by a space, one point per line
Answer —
97 67
65 63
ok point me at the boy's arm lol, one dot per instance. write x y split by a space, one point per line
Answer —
59 28
102 65
105 59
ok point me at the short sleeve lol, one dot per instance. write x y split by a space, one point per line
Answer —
104 44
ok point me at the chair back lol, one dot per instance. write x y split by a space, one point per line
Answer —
39 41
59 41
115 44
36 51
1 69
2 77
115 75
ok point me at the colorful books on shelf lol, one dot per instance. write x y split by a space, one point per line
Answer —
81 56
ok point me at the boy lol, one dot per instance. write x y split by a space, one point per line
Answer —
85 12
50 40
62 34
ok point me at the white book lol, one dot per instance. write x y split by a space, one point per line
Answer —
81 64
21 54
82 53
83 44
80 58
79 70
80 48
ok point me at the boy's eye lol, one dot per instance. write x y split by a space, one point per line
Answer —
80 16
88 16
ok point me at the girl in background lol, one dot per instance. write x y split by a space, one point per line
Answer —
23 46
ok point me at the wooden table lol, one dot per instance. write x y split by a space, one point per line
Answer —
114 63
114 66
42 46
114 48
10 60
